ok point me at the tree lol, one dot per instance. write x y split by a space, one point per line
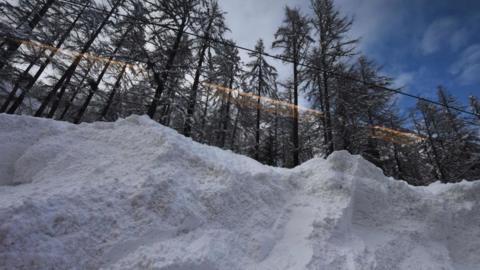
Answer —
263 77
77 89
332 46
212 22
178 15
12 44
113 92
451 144
459 140
45 64
475 104
360 106
293 37
227 60
95 84
65 79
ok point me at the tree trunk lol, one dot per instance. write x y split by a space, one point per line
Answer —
42 68
234 131
170 62
398 164
226 117
99 79
116 86
13 92
205 114
167 108
257 134
65 79
187 130
434 148
295 139
208 90
75 93
81 112
322 108
13 45
328 117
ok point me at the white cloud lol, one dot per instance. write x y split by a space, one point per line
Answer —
403 79
373 19
467 67
441 33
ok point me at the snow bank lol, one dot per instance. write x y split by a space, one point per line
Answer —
136 195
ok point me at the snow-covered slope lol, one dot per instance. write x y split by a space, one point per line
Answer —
136 195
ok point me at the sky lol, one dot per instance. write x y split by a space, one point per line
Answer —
420 43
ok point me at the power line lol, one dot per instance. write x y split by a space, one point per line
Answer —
284 59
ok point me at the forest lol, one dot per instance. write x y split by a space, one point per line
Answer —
86 61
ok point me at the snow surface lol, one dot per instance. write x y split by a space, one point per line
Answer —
136 195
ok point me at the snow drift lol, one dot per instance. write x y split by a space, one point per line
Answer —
136 195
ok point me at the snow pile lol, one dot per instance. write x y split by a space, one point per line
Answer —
135 195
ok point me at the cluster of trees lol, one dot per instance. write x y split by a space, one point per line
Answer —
82 60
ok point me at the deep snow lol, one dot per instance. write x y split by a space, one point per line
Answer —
136 195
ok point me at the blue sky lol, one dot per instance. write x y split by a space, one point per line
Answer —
421 43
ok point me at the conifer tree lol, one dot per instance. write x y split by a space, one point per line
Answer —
332 46
212 25
293 37
262 77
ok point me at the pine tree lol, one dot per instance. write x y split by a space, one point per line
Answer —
459 140
227 61
212 24
333 45
12 44
367 105
293 37
178 15
260 76
452 145
65 79
77 87
46 63
111 96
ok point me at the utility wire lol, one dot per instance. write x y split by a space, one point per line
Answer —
281 58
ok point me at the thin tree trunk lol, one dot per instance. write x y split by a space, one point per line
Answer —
205 113
234 131
275 136
13 45
166 113
13 92
434 149
81 112
40 71
75 93
97 83
94 85
65 79
425 149
187 130
166 72
257 134
322 108
116 86
295 139
397 161
328 117
208 90
226 117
